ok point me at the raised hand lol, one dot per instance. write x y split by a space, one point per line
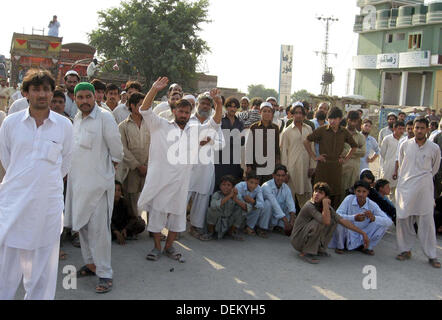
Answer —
216 96
161 83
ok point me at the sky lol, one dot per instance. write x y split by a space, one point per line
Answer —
245 36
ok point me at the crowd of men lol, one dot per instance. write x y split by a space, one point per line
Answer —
216 167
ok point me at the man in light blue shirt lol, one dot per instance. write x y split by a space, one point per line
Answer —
372 147
366 215
279 207
251 193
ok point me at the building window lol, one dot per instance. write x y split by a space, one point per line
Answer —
399 37
414 41
389 38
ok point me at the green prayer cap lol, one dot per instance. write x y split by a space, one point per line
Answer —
84 86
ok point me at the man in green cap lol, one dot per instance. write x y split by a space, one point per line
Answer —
91 184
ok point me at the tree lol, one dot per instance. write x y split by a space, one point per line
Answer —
155 38
259 91
301 95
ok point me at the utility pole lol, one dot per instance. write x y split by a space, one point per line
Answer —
327 78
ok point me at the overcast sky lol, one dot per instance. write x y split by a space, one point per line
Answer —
245 36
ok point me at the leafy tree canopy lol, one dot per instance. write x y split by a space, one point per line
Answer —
156 38
260 91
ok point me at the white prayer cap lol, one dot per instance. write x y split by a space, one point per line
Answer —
271 99
298 104
190 97
266 104
392 114
245 98
72 73
124 92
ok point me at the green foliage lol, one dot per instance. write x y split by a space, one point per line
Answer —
261 92
301 95
157 38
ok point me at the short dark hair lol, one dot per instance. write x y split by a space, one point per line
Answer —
280 168
304 112
38 77
353 115
135 99
422 120
434 124
367 174
403 113
399 124
134 85
256 102
252 175
112 87
183 103
410 123
367 121
232 100
362 184
59 94
380 184
335 113
324 187
321 116
98 85
228 178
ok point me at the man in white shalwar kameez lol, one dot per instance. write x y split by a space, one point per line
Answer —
419 161
388 153
35 149
202 179
167 184
91 184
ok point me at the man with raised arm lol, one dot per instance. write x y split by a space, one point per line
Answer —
167 184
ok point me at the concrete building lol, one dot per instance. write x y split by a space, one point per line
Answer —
399 59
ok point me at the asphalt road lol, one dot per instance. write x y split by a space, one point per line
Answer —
263 269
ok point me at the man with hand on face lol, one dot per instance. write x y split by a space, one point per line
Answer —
167 184
202 180
135 137
419 161
36 151
316 224
91 184
71 79
367 216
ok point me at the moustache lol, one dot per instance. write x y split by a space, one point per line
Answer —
85 105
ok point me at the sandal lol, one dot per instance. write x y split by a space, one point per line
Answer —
248 231
435 263
324 254
85 272
154 255
262 234
236 237
404 256
206 237
63 256
174 255
366 251
309 258
339 251
194 233
104 285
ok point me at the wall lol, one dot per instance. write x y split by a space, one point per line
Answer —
392 88
368 83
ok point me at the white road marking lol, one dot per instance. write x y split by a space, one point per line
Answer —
272 297
250 292
329 294
182 245
215 265
238 281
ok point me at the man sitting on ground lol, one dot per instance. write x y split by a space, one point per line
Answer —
366 215
225 213
126 224
316 224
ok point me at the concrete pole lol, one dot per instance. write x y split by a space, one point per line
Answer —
424 80
383 78
404 85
